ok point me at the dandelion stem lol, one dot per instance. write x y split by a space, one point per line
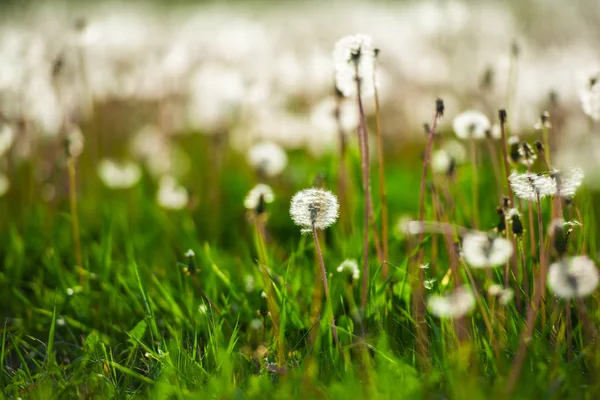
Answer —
384 210
326 289
75 217
502 117
568 323
342 172
543 267
475 184
364 147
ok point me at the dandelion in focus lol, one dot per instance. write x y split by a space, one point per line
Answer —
350 268
354 58
482 250
116 175
268 158
314 207
471 125
171 195
573 277
529 186
454 305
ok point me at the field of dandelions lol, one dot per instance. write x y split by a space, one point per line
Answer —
345 200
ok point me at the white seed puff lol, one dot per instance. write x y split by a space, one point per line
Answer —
454 305
481 250
314 206
573 277
351 53
471 124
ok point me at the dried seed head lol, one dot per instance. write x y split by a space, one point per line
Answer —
439 107
573 277
502 116
314 207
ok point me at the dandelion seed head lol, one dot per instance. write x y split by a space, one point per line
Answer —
351 53
119 175
350 267
263 294
567 181
259 193
482 250
190 253
495 290
171 195
454 305
530 186
471 124
268 158
70 292
456 150
441 161
573 277
314 206
589 95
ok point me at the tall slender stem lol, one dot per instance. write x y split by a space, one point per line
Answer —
502 116
326 289
382 191
74 216
364 146
475 184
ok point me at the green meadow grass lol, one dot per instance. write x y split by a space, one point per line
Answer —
133 324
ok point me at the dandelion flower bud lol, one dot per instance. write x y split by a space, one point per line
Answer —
352 54
573 277
481 250
4 184
513 216
171 195
119 175
513 149
471 125
258 196
529 186
268 158
314 206
349 267
454 305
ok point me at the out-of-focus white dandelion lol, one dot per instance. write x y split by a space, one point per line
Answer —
504 295
202 309
75 141
573 277
190 253
268 158
352 53
249 283
454 305
482 250
530 186
589 95
4 184
441 161
544 122
70 292
263 294
256 324
456 150
324 120
258 196
60 321
527 155
171 195
496 131
350 267
567 181
471 125
119 175
7 137
314 207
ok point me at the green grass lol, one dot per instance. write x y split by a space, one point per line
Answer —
139 327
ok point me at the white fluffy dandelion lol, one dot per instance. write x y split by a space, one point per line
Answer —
527 155
259 194
504 295
567 181
454 305
481 250
75 141
171 195
119 175
471 125
589 95
573 277
350 267
316 207
530 186
268 158
351 53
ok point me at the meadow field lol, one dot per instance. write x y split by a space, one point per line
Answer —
232 200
